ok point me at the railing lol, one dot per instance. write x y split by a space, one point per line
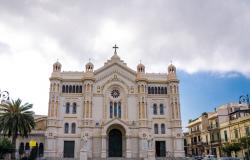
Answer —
194 131
215 141
213 126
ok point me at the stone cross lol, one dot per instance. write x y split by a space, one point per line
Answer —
115 47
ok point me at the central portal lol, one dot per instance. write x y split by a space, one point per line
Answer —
115 143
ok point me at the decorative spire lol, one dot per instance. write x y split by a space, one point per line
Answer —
115 47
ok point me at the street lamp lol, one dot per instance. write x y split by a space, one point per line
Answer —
245 99
4 96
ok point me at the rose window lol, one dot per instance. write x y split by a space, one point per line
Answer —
115 93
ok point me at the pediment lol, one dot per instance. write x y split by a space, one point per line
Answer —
115 121
115 69
115 61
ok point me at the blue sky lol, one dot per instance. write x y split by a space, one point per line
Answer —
204 91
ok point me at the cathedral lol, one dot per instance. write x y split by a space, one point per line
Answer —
113 111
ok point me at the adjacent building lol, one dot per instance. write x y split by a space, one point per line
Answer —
212 130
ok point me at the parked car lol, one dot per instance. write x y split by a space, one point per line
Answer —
198 157
210 157
228 158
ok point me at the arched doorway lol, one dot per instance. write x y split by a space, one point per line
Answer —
115 143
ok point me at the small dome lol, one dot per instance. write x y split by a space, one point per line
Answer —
57 64
57 67
89 64
171 68
141 68
89 67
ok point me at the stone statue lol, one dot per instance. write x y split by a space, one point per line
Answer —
85 142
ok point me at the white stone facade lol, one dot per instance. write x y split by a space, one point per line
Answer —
142 110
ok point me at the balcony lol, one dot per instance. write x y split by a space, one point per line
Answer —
216 141
199 143
213 126
224 140
195 131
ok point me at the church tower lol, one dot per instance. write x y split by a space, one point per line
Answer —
174 100
88 82
53 110
141 89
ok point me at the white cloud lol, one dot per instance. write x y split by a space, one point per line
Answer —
197 36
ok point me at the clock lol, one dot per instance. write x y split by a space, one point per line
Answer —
115 93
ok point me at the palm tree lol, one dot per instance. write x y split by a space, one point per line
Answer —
16 119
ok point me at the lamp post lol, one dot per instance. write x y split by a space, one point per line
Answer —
4 96
245 99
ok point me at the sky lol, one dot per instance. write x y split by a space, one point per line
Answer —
208 41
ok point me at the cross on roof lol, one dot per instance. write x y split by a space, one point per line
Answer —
115 47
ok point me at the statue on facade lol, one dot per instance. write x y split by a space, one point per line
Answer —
85 142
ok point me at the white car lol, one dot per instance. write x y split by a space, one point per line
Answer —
210 157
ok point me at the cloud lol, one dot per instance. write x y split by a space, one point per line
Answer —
196 35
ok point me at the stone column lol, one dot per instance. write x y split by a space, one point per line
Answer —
83 154
128 147
141 148
104 143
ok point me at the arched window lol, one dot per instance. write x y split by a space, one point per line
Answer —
80 90
119 110
175 89
155 90
172 106
111 110
149 91
162 90
70 89
155 109
159 90
67 107
165 90
66 128
74 108
162 128
115 109
156 128
73 128
67 89
63 89
27 146
74 89
41 150
77 89
161 109
88 87
152 90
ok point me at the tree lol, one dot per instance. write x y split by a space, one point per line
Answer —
245 142
5 147
16 119
231 147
